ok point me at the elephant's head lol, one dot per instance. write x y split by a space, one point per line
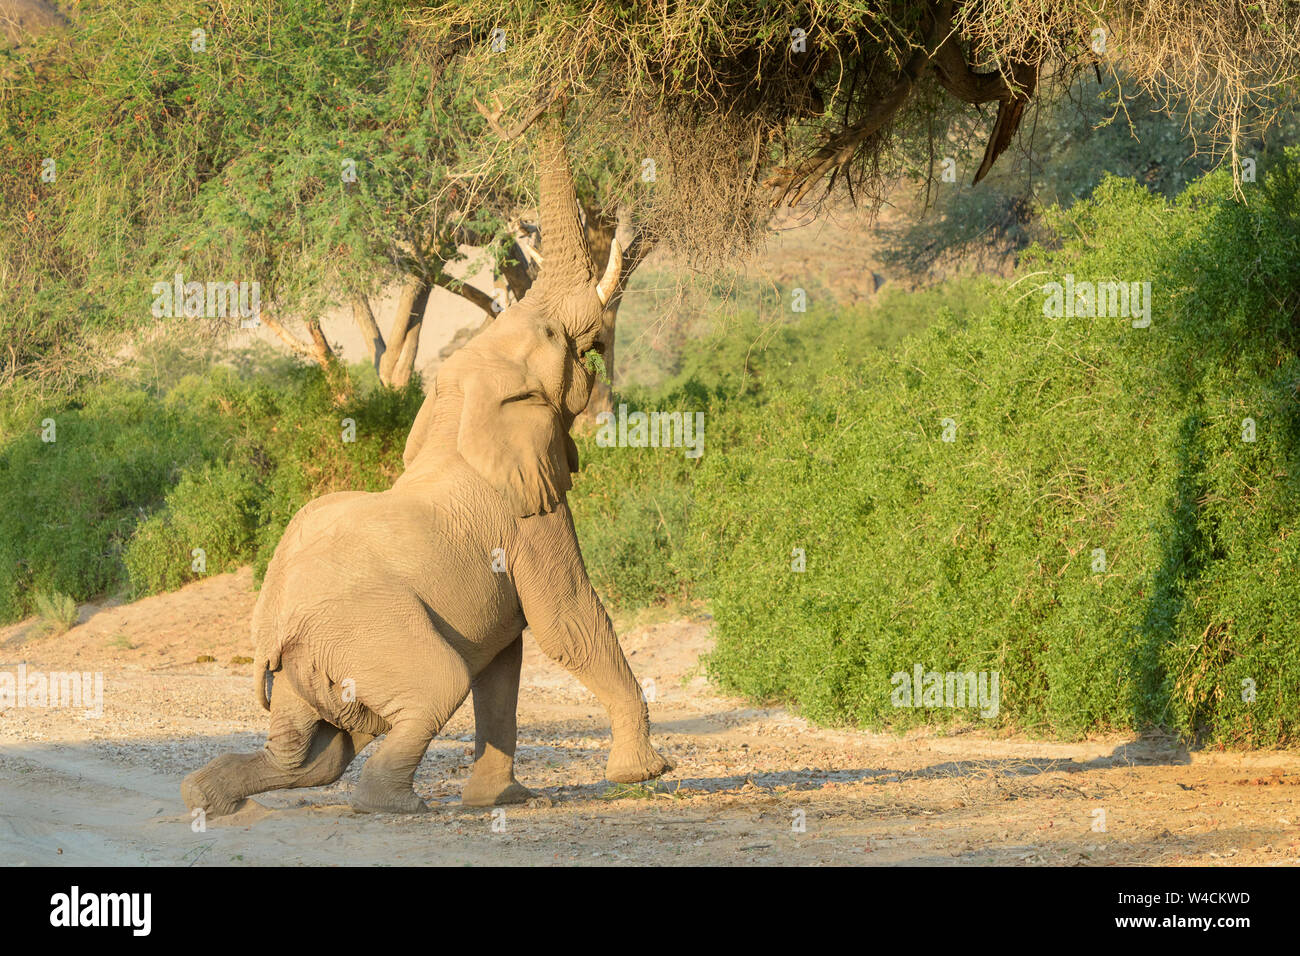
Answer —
505 402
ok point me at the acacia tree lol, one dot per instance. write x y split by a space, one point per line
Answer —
288 146
322 151
746 104
218 141
343 181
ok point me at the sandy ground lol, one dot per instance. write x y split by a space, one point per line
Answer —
85 791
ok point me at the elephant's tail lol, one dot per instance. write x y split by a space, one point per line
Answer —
266 646
263 681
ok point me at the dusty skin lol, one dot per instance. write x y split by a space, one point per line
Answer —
102 791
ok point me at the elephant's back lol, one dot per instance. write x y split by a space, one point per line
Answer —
347 560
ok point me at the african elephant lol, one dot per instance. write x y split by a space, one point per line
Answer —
381 612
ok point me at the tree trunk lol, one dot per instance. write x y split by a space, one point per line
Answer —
320 349
336 373
364 316
296 345
405 365
402 345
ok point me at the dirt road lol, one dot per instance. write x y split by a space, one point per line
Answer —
753 786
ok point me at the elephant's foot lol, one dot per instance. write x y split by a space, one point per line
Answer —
376 796
631 763
204 790
485 791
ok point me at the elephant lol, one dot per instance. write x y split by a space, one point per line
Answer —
381 612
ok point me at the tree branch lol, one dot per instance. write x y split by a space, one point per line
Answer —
493 117
296 345
1013 95
836 154
468 292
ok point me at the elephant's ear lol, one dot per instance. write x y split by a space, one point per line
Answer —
512 436
571 449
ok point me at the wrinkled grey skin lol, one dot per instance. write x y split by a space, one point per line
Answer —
381 612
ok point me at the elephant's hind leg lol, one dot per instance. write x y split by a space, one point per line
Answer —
496 699
416 697
301 751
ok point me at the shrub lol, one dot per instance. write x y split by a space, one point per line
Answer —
312 458
208 525
630 509
57 612
1071 435
68 506
632 506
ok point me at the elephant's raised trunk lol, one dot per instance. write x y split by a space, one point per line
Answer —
566 260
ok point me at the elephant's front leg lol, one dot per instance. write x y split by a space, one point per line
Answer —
572 627
496 698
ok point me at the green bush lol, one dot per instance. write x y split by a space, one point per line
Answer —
287 443
313 459
68 506
632 506
142 473
630 509
213 510
714 347
1071 435
57 612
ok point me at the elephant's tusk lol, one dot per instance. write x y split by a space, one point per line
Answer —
609 281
